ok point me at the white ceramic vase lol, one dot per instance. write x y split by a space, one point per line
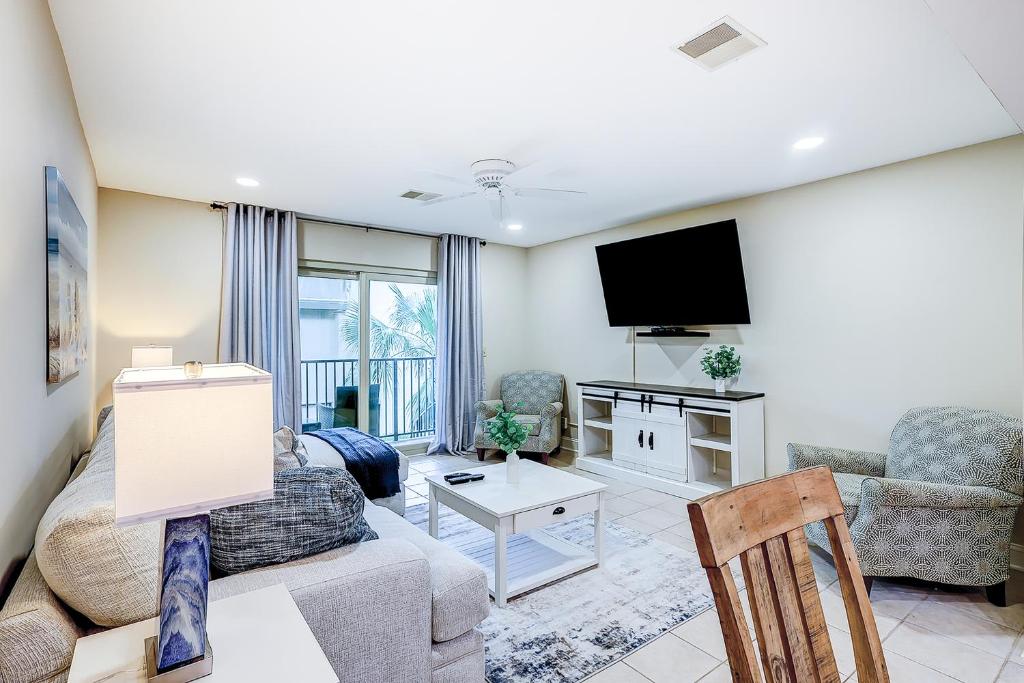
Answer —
512 468
720 385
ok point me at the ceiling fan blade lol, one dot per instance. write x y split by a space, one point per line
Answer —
447 178
548 193
449 198
495 206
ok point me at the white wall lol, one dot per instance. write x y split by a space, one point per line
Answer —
45 426
159 280
869 294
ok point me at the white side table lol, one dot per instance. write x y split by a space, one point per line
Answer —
256 636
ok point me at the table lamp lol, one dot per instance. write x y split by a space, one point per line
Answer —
185 446
152 356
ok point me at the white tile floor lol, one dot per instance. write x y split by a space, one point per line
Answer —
927 634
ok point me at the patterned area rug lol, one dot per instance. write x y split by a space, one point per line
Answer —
568 630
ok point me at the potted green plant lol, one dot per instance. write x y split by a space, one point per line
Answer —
510 435
721 365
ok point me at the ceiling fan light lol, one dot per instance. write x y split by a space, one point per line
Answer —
515 226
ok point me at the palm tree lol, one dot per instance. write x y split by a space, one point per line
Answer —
410 331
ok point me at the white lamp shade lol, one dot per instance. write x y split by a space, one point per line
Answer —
186 446
151 356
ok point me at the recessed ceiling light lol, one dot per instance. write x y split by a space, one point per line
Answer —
247 182
515 226
808 143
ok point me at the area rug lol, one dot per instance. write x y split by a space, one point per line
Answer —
568 630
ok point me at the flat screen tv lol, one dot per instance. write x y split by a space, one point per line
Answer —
692 276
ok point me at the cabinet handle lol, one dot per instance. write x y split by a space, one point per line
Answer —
640 439
650 440
558 510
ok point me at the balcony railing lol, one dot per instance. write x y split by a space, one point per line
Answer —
401 393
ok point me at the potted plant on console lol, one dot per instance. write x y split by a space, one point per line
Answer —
509 434
721 365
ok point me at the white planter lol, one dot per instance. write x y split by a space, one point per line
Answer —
512 468
720 386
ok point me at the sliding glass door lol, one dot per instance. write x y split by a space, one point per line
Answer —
368 353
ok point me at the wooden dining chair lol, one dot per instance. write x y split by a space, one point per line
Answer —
762 523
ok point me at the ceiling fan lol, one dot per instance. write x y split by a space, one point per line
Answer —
489 176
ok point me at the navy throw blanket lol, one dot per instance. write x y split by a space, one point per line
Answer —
373 463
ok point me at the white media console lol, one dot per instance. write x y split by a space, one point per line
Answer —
686 441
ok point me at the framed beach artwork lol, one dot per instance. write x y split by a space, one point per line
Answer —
67 259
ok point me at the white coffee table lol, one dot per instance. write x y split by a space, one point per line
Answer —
256 636
544 495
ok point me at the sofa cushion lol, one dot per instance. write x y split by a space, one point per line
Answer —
314 509
459 592
107 573
37 635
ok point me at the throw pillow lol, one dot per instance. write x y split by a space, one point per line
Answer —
314 509
288 450
108 573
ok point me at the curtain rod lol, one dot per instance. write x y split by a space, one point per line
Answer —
350 224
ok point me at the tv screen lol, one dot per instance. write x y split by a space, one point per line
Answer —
692 276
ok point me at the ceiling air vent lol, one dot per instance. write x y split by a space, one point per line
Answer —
722 42
419 195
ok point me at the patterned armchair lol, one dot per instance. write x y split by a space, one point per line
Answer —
939 506
538 395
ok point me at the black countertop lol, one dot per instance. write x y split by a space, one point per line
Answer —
687 392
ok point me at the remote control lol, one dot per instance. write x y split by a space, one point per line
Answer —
455 475
464 478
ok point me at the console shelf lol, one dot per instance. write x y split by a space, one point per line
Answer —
686 441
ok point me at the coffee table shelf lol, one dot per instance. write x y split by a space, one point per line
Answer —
531 557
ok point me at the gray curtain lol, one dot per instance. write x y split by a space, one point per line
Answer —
259 314
460 360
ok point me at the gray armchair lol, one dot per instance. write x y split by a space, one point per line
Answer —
939 506
536 396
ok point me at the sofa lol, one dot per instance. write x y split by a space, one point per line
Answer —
404 607
939 506
536 397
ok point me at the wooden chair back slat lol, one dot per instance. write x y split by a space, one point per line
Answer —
762 523
778 666
810 601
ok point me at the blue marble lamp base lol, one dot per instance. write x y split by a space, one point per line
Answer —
184 590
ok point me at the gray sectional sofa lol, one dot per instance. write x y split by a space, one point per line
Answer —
404 608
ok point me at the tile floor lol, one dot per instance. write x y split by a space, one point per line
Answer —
928 634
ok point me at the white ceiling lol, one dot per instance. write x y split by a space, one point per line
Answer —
339 107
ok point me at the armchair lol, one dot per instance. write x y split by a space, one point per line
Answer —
939 506
537 396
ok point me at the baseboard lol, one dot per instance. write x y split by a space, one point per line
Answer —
1017 557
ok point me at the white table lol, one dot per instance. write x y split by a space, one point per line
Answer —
256 636
544 495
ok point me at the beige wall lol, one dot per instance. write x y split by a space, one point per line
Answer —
45 426
869 294
159 280
505 304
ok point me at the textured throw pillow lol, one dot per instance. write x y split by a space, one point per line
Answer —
108 573
289 451
314 509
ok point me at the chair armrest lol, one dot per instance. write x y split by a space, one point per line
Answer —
485 410
905 493
839 459
553 409
355 599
